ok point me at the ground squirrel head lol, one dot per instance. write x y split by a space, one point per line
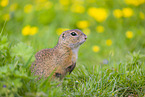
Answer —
72 38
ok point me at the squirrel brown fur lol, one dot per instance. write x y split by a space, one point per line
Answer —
62 58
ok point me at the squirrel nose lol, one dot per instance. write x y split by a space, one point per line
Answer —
85 37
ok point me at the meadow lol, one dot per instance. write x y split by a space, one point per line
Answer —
111 63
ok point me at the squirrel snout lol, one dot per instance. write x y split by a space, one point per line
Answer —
85 37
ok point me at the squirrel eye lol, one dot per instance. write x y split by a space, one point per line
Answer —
73 34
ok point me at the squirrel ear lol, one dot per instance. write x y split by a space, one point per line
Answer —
63 35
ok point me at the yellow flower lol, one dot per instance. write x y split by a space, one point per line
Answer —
64 2
4 3
60 30
86 31
28 8
82 24
141 15
13 7
77 1
117 13
129 34
43 4
109 42
100 29
26 30
127 12
134 2
6 17
112 94
77 8
99 14
96 48
33 30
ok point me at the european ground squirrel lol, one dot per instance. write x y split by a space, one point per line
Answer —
62 58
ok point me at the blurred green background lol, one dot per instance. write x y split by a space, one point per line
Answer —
114 29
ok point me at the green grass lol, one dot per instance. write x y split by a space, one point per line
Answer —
113 79
117 70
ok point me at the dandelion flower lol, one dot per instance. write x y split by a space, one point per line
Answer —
96 48
77 8
117 13
64 2
112 94
33 30
78 1
4 3
60 30
100 29
127 12
129 34
28 8
99 14
109 42
134 2
82 24
26 30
